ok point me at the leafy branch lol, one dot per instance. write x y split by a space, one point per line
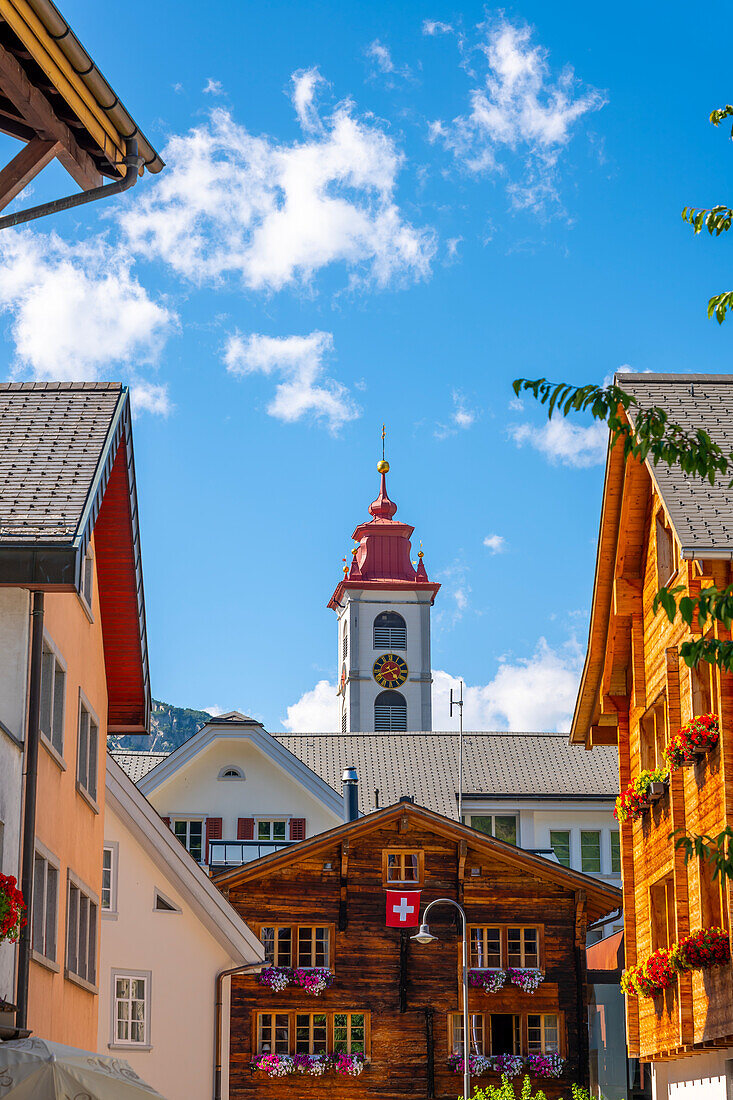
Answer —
715 850
652 434
712 605
717 220
717 116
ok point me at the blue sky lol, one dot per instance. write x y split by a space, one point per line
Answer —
378 212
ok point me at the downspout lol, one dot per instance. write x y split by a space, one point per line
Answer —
217 1017
133 163
32 739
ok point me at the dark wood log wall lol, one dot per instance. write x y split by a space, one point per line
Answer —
409 990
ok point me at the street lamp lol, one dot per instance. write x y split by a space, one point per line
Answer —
425 936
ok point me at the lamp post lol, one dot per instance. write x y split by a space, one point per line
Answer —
425 936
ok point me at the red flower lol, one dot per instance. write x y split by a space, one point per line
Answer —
12 909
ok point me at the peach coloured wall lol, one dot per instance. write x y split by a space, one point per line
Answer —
66 824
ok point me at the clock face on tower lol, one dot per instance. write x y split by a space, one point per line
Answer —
390 671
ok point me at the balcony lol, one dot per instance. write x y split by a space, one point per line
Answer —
224 854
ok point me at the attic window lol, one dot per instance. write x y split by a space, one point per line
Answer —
231 772
164 904
666 552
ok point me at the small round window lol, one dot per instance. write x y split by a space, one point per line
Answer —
231 773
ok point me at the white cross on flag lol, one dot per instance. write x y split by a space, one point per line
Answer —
403 908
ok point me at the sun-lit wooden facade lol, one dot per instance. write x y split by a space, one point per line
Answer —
637 692
404 996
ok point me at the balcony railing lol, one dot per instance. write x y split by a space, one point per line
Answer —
233 853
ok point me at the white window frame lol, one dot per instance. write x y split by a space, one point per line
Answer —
109 912
231 778
599 834
189 818
89 772
271 819
86 585
158 893
116 1043
53 741
74 927
51 862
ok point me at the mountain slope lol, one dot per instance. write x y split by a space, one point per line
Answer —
169 727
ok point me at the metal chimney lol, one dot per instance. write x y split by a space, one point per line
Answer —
350 786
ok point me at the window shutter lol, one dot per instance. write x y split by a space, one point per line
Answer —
167 821
245 828
213 832
297 828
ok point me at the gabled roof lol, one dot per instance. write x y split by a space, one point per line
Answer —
601 897
67 469
167 852
425 765
234 727
136 763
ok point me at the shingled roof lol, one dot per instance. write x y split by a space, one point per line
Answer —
425 765
701 514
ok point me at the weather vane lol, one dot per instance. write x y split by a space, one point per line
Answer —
384 432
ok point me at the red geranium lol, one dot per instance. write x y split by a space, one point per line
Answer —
704 948
698 736
12 909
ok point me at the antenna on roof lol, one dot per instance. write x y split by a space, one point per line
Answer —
459 703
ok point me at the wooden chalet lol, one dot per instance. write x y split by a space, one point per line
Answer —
659 526
323 902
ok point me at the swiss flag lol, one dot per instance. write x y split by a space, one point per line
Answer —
403 908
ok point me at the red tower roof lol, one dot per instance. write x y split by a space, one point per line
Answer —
382 558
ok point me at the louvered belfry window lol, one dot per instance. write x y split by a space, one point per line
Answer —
390 712
390 631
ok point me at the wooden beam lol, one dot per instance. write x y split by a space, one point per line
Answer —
603 735
31 160
637 661
35 109
627 596
608 719
404 824
344 882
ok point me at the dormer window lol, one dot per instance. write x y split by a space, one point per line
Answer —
390 631
666 551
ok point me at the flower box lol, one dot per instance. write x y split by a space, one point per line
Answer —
655 791
699 951
491 980
527 979
510 1065
693 741
642 792
314 980
312 1065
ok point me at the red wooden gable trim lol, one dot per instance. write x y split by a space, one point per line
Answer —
245 828
297 828
119 578
213 832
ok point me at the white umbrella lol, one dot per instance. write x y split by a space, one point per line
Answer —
35 1069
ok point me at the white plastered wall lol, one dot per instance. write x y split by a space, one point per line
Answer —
700 1077
14 646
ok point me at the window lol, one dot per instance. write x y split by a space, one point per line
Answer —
345 644
702 683
108 901
485 948
87 749
653 736
590 851
501 826
505 1035
666 551
390 631
45 907
313 946
615 852
53 696
343 720
162 904
476 1033
662 913
311 1033
87 578
543 1034
403 867
231 772
278 945
191 836
713 897
273 1033
523 948
131 1015
271 829
81 933
390 712
560 844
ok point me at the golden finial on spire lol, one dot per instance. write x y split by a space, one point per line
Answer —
383 466
345 568
420 552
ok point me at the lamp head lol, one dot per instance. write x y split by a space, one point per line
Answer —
424 935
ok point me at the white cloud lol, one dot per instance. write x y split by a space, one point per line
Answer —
522 108
317 711
78 314
149 397
382 61
527 694
451 247
304 389
214 711
213 87
565 443
462 417
433 27
276 213
495 543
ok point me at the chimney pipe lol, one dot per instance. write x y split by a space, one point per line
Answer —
350 786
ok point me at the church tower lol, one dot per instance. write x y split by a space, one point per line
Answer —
383 608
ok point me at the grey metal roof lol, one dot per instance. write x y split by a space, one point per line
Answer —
425 765
701 514
137 763
52 440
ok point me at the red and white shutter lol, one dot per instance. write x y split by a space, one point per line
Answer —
297 828
213 832
245 828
